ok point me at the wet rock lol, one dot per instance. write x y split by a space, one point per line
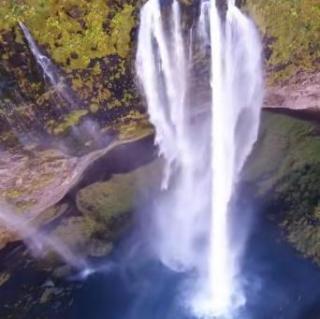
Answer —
62 272
49 293
75 233
98 248
285 143
33 181
301 92
48 284
4 277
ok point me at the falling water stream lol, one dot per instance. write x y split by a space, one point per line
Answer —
49 69
39 243
193 219
68 100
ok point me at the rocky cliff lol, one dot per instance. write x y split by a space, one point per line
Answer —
91 46
291 35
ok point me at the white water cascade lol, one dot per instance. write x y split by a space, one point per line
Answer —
57 81
204 155
49 69
39 243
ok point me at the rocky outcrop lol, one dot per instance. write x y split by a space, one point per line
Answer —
301 92
34 181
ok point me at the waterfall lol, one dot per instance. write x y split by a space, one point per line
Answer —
68 99
204 155
162 68
50 70
236 102
39 243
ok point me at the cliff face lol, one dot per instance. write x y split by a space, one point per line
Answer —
91 44
291 35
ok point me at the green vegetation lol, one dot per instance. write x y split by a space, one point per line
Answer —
292 34
297 195
75 32
91 42
285 144
69 120
285 166
134 125
109 201
75 232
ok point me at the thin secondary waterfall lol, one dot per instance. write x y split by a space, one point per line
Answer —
68 100
38 242
204 154
50 71
45 63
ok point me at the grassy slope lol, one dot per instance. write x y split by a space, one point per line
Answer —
292 34
285 165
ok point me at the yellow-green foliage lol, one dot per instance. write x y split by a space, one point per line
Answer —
121 26
74 31
71 119
111 200
294 29
134 126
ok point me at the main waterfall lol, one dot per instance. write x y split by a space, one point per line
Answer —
205 141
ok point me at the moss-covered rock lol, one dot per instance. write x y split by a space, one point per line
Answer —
291 31
76 233
285 168
285 143
107 200
104 210
296 198
92 45
111 201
